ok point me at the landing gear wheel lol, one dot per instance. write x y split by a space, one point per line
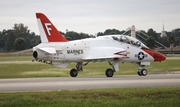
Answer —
144 72
109 72
73 73
139 72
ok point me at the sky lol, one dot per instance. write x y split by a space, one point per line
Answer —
92 16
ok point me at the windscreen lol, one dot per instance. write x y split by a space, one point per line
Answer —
129 40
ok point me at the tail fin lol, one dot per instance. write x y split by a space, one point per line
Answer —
48 32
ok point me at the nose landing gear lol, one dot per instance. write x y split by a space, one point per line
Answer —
142 71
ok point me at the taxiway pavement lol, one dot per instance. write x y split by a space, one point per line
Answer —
68 83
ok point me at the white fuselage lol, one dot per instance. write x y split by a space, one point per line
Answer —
82 50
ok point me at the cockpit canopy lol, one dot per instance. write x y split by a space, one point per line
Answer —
129 40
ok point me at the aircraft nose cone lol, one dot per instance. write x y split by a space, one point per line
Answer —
156 55
159 57
163 57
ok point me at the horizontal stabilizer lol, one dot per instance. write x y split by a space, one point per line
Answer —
48 50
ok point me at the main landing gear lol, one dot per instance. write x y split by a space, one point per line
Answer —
79 67
109 72
73 72
142 71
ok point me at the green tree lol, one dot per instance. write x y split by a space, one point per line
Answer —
2 44
111 32
152 33
83 35
164 41
20 30
171 40
100 34
9 39
150 42
176 32
71 34
19 44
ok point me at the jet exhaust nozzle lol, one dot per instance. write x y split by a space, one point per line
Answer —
35 54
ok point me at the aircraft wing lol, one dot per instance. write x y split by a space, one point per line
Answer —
105 57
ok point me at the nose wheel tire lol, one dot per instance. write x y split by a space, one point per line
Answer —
142 72
73 73
139 73
109 72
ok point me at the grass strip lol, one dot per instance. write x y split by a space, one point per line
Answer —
15 58
124 97
29 70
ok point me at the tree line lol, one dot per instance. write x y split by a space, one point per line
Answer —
20 37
